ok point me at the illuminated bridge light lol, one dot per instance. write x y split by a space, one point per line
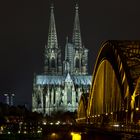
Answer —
126 110
111 113
106 113
137 108
99 115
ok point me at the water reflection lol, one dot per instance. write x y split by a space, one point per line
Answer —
54 136
63 136
80 136
76 136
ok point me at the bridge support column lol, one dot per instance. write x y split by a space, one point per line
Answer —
132 116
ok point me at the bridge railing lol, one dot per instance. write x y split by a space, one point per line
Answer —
119 127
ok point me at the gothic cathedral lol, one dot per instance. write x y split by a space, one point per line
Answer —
60 86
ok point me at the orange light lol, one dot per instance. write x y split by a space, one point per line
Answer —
53 134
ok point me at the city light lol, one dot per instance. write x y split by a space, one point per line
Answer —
39 131
106 113
44 123
57 123
137 108
9 132
126 110
116 125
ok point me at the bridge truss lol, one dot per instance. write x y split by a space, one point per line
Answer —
115 92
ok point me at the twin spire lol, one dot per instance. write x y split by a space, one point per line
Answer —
52 35
76 38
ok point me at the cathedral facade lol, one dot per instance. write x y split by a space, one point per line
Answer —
60 86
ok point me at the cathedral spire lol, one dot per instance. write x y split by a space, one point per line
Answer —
52 36
66 50
53 64
76 38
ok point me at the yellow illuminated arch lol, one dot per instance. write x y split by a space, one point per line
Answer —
106 94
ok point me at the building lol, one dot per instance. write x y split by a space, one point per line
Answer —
12 99
9 98
60 86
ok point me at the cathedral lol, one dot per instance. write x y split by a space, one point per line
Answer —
63 81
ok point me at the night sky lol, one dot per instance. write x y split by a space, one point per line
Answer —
24 31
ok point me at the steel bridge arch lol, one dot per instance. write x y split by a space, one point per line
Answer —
123 58
82 109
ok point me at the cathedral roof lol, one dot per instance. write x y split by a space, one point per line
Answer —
59 80
82 79
45 79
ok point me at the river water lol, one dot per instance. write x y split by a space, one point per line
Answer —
81 136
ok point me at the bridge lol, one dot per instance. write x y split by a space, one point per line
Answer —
114 97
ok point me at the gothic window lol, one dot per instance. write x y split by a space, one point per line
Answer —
38 101
53 62
45 90
76 97
59 59
61 101
47 62
83 62
77 63
54 97
69 96
50 98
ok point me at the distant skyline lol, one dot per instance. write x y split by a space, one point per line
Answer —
24 31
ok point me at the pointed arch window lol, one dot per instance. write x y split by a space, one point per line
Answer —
53 62
69 96
83 62
77 64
